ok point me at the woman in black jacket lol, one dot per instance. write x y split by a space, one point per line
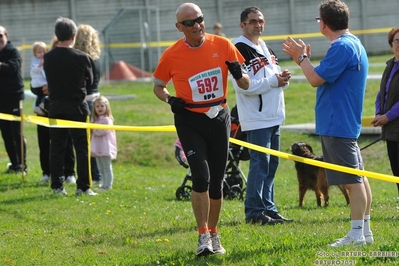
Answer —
87 40
12 93
387 104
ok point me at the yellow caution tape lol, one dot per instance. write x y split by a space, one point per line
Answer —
9 117
59 123
49 122
266 38
366 121
330 166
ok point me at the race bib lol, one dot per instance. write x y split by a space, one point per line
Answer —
207 85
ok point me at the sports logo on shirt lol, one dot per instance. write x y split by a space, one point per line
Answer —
259 62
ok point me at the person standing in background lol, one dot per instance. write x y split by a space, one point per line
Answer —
261 110
68 72
387 104
12 92
201 114
87 40
340 79
39 87
38 78
217 29
69 160
103 142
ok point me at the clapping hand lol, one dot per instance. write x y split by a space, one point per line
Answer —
283 78
295 49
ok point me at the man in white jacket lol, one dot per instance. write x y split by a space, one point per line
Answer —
261 110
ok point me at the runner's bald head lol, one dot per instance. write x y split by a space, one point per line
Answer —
186 9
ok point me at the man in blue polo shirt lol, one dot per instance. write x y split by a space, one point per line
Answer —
341 84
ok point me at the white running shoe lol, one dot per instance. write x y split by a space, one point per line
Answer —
204 245
348 241
88 192
45 179
216 244
369 239
70 179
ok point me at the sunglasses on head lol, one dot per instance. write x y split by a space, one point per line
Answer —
191 22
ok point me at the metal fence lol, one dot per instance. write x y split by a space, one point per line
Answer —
137 31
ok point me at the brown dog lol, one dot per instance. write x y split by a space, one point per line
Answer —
312 177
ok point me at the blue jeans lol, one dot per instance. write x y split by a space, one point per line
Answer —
262 169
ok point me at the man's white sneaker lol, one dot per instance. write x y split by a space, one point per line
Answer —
204 245
348 241
45 179
369 239
60 191
70 179
88 192
216 245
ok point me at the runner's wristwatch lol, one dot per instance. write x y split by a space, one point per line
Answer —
301 58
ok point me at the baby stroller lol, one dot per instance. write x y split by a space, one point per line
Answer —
234 181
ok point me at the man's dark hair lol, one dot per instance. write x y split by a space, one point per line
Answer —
335 14
65 28
245 12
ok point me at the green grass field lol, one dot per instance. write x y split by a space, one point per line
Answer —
140 222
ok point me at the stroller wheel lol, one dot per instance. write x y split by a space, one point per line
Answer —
243 194
235 192
183 193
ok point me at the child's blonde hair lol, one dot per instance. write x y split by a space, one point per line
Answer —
37 45
108 112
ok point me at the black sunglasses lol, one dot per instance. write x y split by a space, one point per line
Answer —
191 22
